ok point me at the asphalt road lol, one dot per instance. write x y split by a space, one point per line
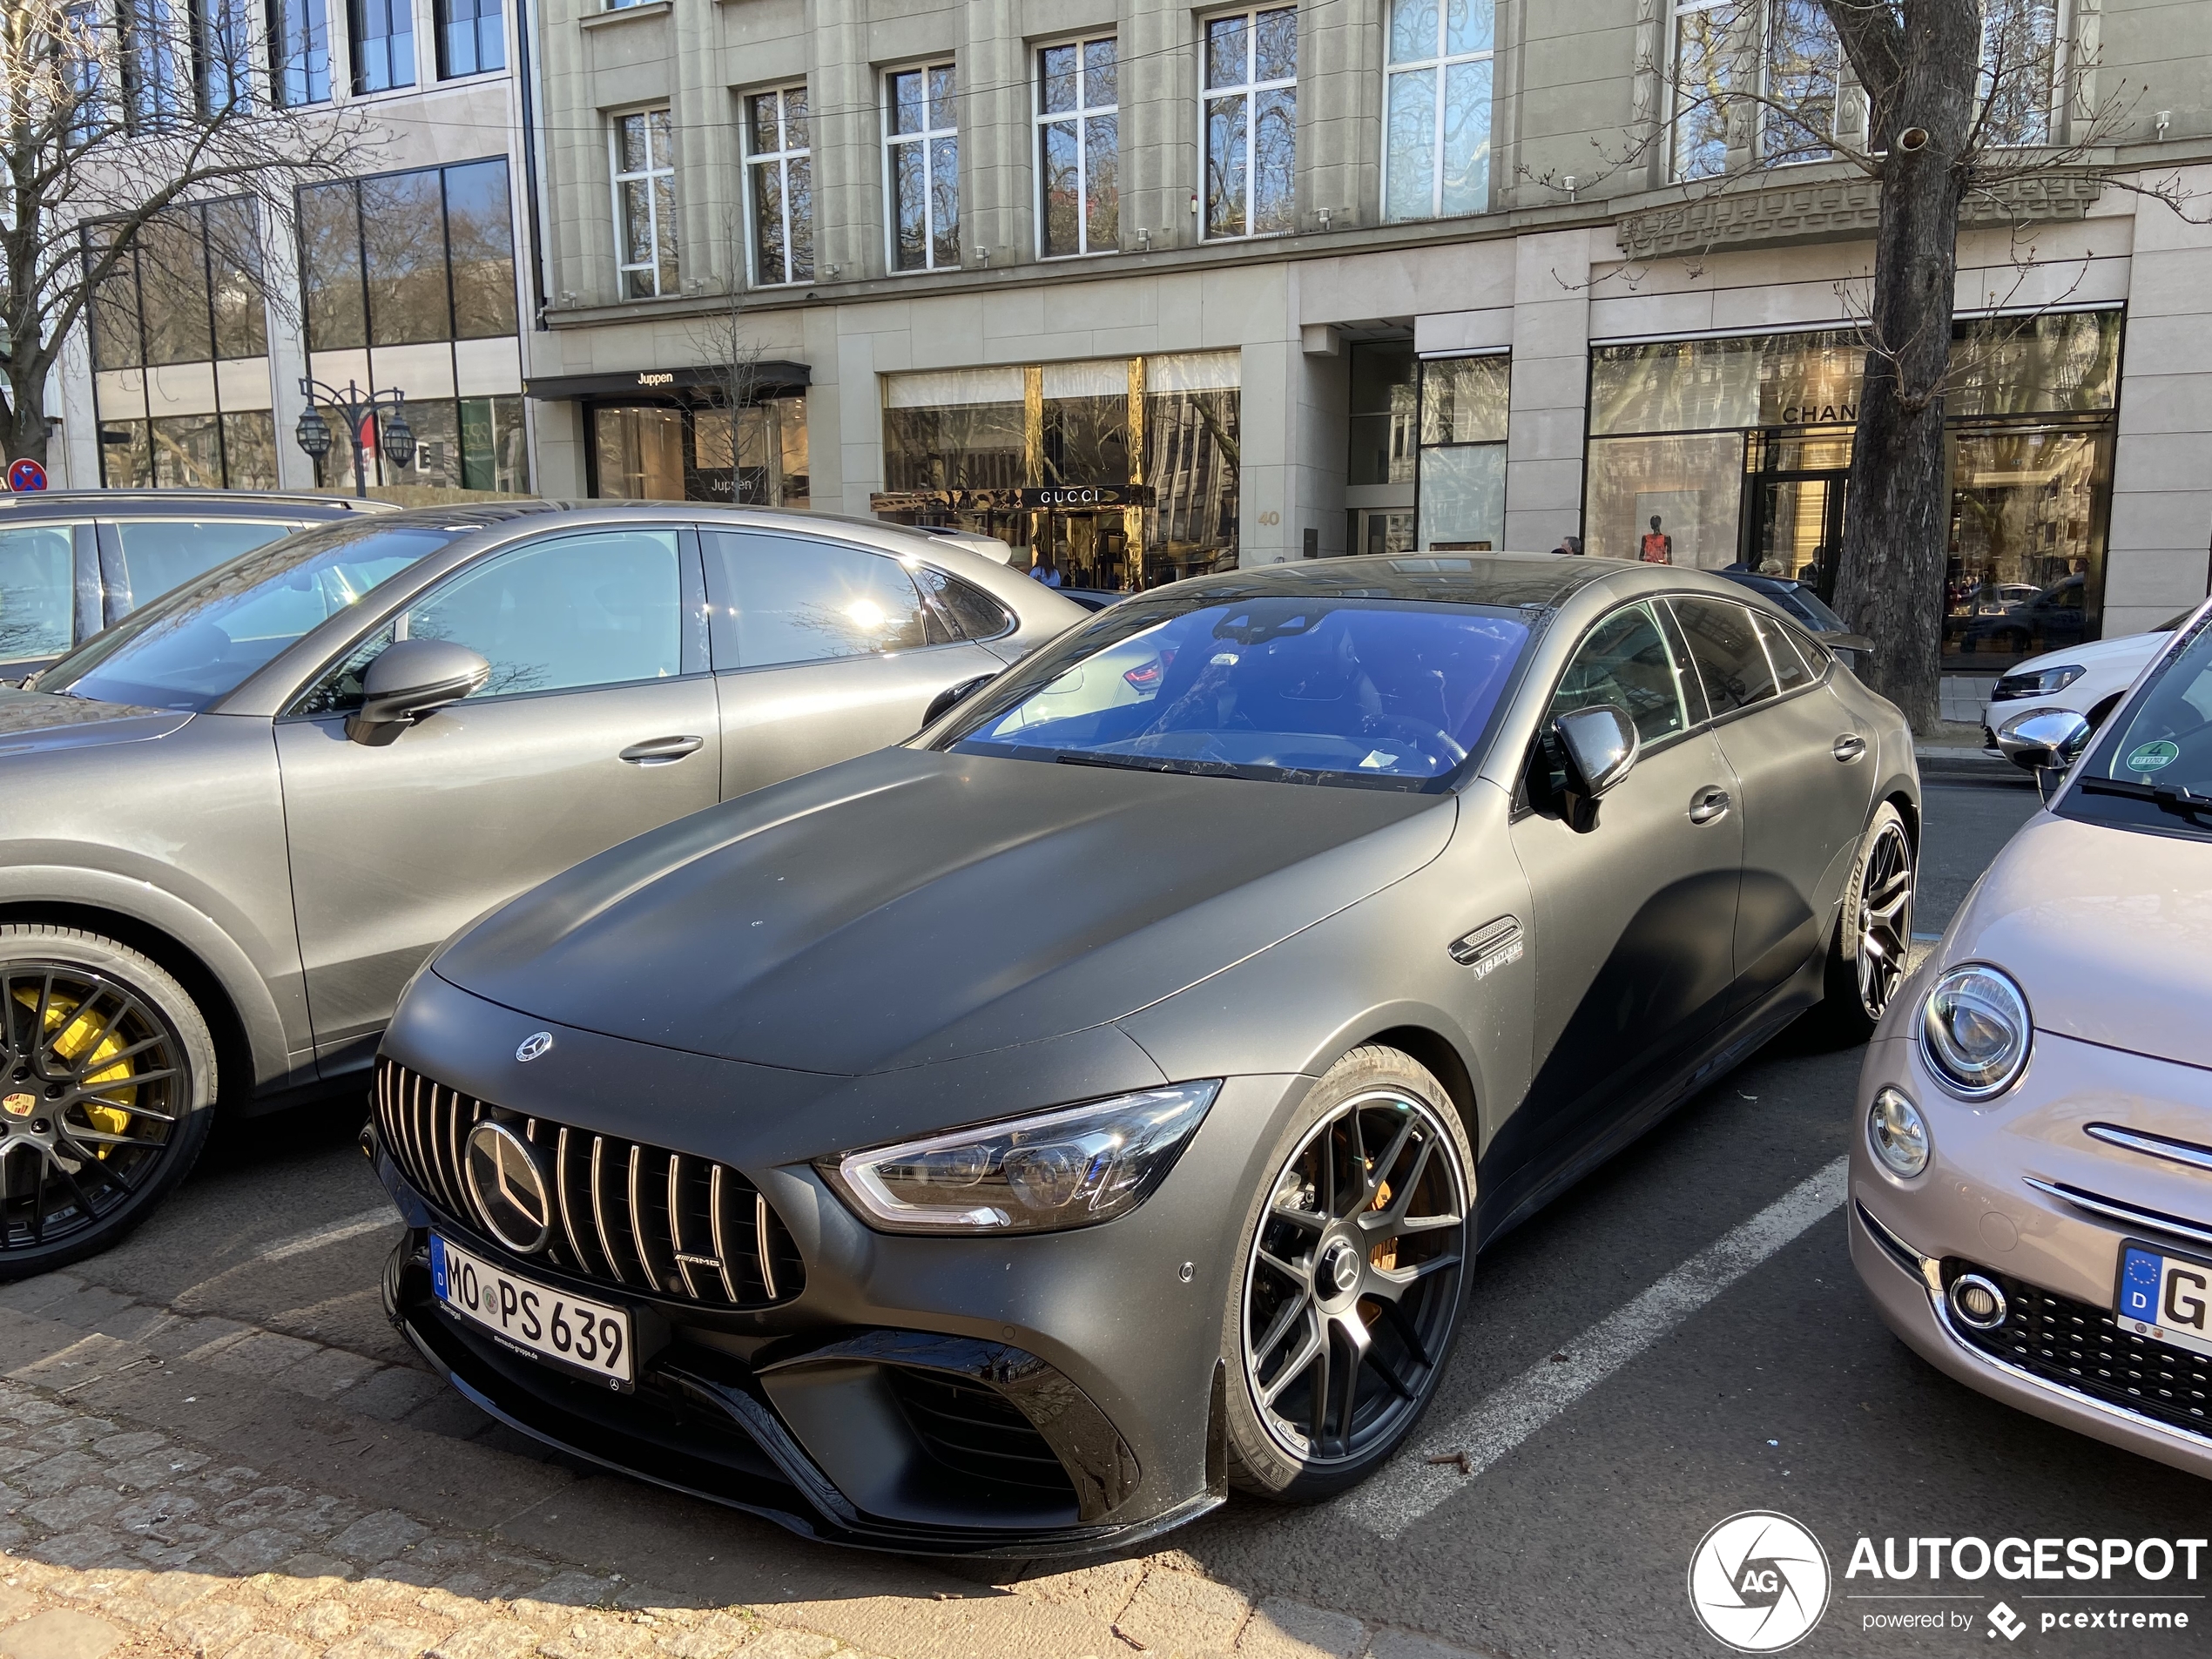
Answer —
1668 1406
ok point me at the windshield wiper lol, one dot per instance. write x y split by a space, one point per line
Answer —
2167 798
1149 763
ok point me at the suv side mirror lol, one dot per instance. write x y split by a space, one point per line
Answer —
2044 742
953 695
1595 747
410 679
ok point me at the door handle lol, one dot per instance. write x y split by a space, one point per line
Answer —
1709 805
661 752
1849 747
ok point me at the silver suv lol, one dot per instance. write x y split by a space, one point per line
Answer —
233 824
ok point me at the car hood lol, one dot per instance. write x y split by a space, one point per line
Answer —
2128 648
33 720
2109 931
909 908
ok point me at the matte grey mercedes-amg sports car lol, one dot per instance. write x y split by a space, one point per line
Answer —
1014 1140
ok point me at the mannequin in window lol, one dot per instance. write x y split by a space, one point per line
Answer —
1657 547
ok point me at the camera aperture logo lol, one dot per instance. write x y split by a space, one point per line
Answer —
1758 1582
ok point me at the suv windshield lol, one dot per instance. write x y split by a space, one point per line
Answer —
1376 692
202 641
2153 770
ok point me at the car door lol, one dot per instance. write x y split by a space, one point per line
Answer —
142 558
1633 924
597 724
823 650
49 593
1804 784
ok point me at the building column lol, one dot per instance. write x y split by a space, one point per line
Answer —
1551 337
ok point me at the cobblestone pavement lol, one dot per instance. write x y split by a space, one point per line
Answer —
123 1536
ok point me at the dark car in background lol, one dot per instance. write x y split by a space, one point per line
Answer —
71 562
1801 601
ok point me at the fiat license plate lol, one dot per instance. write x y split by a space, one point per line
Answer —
548 1325
2166 1297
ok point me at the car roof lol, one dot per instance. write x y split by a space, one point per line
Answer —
165 503
1543 581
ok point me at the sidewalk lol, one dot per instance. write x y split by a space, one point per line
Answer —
169 1493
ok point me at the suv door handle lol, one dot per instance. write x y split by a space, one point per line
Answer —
661 752
1709 805
1849 747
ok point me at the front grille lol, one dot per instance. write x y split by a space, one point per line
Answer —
2080 1346
631 1217
977 1432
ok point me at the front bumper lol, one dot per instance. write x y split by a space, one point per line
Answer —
1992 1200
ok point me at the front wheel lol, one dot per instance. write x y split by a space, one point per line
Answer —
107 1070
1355 1258
1873 942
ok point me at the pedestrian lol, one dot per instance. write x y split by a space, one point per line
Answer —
1569 544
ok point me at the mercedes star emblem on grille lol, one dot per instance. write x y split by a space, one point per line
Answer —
510 1188
533 1045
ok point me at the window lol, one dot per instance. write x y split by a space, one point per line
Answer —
1463 452
472 38
383 32
783 599
1725 646
644 163
1804 67
460 444
1251 123
1789 668
583 610
1626 663
1078 147
84 53
299 52
406 257
922 145
160 553
1437 158
37 591
780 170
2018 69
1704 61
972 613
221 43
155 55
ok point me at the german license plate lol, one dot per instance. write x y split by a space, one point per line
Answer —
545 1323
2166 1297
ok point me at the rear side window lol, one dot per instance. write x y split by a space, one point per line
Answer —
38 591
1790 668
160 553
1724 645
972 613
1625 663
779 600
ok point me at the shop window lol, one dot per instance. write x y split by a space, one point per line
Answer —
299 52
640 453
406 257
383 35
460 444
922 157
755 457
1462 474
1436 161
961 428
780 168
472 38
1251 123
1078 148
1385 413
644 180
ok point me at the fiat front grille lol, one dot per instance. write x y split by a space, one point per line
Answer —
629 1216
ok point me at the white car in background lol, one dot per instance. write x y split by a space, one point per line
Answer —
2087 679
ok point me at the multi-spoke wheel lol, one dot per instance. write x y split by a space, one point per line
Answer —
1873 940
105 1069
1355 1265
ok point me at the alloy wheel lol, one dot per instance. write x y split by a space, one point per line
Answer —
91 1083
1884 917
1353 1284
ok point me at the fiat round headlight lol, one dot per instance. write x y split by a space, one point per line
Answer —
1069 1167
1974 1030
1898 1133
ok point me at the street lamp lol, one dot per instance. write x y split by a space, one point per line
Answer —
357 408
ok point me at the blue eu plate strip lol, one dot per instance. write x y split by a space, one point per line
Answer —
438 1269
2139 1277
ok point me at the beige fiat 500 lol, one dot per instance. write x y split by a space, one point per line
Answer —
2032 1180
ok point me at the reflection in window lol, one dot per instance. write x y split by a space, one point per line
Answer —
405 258
1078 148
798 600
1625 663
156 54
472 38
1463 452
960 428
1692 484
234 451
383 32
640 454
159 554
460 444
190 291
1437 160
222 42
1804 69
645 171
1251 123
2017 84
299 52
923 139
2028 507
779 167
1386 411
37 591
1706 50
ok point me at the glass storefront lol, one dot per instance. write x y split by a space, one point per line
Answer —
1162 430
696 450
1425 468
1723 452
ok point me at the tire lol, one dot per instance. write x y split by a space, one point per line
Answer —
1873 940
1304 1285
86 1153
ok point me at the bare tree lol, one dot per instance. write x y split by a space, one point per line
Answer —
729 361
119 120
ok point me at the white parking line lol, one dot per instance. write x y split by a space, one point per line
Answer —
353 1227
1411 1486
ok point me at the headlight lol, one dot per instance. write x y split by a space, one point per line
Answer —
2044 682
1974 1030
1070 1168
1898 1133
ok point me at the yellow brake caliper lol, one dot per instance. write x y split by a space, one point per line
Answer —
72 1032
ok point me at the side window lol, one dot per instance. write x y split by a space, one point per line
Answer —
791 599
338 692
971 612
159 554
1725 646
38 591
1790 669
580 611
1626 663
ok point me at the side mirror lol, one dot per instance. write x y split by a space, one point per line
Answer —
410 679
953 695
1858 643
2044 742
1596 746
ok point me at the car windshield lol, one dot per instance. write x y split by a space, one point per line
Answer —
1374 692
201 642
2153 769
